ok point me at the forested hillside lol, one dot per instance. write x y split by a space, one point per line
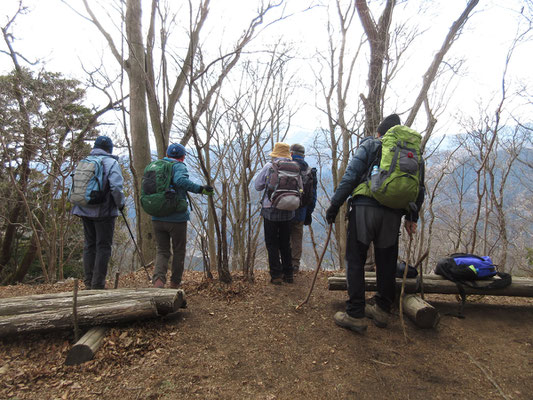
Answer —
229 97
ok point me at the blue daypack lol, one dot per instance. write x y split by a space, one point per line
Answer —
87 182
464 269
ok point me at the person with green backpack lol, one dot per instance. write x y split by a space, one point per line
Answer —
164 196
385 180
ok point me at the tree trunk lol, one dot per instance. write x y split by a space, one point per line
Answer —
138 119
94 307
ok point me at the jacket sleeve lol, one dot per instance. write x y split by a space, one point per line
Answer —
356 171
181 179
116 184
260 180
413 216
312 206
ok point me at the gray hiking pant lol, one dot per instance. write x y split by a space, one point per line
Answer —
297 232
165 233
97 250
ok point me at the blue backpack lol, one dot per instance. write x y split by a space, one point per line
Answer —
464 269
87 182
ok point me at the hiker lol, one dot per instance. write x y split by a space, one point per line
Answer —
370 221
173 227
99 219
277 209
303 215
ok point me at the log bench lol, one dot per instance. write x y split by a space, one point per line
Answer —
436 284
94 308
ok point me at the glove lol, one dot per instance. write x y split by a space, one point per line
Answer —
208 190
331 214
308 219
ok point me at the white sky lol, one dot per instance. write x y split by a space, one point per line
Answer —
63 40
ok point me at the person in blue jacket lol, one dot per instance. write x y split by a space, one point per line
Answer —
99 219
303 215
173 228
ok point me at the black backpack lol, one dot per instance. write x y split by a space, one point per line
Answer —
465 269
309 186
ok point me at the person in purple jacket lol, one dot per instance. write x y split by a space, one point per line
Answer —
173 227
99 219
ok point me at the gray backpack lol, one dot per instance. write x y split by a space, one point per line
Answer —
284 185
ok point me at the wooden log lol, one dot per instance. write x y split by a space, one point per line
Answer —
520 287
95 307
423 314
85 349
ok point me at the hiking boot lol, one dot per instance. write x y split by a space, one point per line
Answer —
174 285
159 284
355 324
276 281
288 278
380 317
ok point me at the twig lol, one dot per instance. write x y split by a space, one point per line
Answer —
477 364
75 312
314 243
419 262
403 286
382 363
317 269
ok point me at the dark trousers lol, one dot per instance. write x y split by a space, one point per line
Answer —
97 250
165 232
386 260
278 243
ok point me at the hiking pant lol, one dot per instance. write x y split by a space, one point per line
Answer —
297 231
379 225
97 250
165 232
278 243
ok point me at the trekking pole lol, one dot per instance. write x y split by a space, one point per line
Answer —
317 268
136 247
403 285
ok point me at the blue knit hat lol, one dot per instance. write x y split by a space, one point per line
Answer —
175 150
104 143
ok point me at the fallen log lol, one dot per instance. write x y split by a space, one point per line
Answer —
520 287
86 347
423 314
95 307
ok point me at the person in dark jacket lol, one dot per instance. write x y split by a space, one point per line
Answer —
99 219
277 224
173 228
303 215
369 221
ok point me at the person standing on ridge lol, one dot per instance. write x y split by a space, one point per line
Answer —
173 227
99 219
303 215
282 185
371 221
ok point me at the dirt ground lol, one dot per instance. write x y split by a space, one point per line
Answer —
247 341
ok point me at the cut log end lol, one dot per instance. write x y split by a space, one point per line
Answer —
78 355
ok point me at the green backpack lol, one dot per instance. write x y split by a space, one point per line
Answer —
395 182
158 197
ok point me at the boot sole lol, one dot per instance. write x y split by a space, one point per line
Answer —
358 329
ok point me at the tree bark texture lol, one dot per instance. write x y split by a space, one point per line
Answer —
520 287
135 68
423 314
86 347
95 307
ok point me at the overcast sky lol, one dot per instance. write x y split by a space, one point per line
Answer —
54 34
